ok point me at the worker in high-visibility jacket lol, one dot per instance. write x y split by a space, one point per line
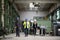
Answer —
26 27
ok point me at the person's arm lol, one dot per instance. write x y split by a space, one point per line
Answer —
33 25
23 24
36 26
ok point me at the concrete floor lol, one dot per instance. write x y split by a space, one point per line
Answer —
30 37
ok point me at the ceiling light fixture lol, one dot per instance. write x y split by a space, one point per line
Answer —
31 5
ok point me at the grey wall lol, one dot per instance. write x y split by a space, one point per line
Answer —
30 14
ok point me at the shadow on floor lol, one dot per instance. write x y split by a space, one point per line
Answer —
6 38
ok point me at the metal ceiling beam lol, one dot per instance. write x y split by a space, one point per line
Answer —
37 1
16 8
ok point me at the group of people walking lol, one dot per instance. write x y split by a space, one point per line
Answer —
26 25
27 28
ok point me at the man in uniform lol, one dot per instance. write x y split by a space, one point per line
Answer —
26 27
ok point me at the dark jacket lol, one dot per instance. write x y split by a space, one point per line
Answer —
34 25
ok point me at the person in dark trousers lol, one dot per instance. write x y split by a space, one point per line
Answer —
17 29
26 27
42 31
34 27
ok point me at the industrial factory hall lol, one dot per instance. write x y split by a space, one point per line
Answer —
29 19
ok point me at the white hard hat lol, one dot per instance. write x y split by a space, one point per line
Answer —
34 19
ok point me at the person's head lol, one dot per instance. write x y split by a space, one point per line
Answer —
31 21
35 20
26 20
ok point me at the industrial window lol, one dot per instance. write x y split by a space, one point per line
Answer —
58 14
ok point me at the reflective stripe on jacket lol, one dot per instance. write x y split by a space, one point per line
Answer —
26 24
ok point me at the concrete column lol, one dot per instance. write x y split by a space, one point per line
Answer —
2 13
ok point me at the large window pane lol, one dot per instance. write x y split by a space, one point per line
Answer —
58 14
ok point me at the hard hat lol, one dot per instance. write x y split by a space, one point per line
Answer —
34 19
26 19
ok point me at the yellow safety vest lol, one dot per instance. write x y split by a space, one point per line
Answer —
26 24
